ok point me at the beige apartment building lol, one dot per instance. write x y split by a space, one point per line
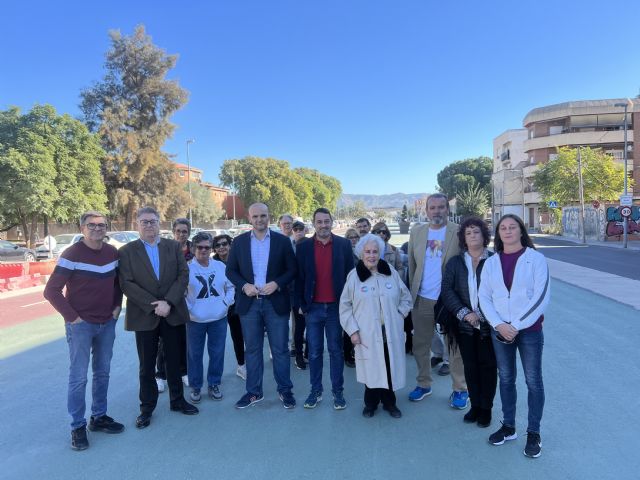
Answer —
518 152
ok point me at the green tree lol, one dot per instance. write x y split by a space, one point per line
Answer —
130 110
49 165
557 179
472 201
463 174
204 208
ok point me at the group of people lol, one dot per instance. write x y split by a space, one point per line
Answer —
355 293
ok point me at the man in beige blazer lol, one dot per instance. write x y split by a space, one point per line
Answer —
430 247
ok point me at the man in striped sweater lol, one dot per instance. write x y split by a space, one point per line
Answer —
90 309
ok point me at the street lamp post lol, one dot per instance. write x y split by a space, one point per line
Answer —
233 179
625 222
189 180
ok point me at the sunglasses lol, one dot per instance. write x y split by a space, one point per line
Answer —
378 232
221 244
203 247
353 237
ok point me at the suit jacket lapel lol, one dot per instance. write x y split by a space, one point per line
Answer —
142 254
249 260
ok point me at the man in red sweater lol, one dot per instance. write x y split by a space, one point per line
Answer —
90 309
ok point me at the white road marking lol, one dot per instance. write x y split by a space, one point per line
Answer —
32 304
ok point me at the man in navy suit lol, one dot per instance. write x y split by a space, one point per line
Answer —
323 264
261 265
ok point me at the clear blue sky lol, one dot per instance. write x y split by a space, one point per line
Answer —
380 94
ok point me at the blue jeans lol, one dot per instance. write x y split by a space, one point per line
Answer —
261 315
216 336
86 339
529 344
324 318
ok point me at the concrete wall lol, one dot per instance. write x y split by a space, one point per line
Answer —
594 222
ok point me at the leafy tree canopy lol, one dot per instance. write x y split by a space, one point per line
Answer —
463 174
472 201
204 208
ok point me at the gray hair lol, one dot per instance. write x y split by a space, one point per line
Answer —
90 214
369 238
201 237
181 221
145 210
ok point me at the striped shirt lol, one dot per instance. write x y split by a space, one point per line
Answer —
91 281
260 258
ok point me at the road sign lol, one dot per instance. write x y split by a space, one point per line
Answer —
596 204
625 212
626 200
553 204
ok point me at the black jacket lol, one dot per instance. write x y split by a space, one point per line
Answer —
455 294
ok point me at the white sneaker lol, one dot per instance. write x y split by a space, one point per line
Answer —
161 385
241 371
185 380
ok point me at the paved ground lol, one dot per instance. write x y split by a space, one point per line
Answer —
589 427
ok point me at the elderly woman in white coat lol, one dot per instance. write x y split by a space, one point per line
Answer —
373 306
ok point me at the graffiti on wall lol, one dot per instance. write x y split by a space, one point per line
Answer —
615 226
593 222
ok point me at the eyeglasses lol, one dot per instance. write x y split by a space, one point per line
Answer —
182 232
298 229
148 223
96 226
353 237
378 232
221 244
203 247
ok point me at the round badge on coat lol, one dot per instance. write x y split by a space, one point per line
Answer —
364 289
389 286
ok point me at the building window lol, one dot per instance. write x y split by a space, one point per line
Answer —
181 173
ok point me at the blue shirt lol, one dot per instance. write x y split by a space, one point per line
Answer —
154 256
260 258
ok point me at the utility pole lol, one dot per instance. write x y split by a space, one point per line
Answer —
189 181
233 180
625 221
581 192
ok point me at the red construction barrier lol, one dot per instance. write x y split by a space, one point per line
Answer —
9 270
43 268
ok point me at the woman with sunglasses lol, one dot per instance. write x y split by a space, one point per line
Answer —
222 247
391 254
352 235
466 327
209 295
513 294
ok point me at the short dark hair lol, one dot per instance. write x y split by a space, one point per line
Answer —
437 195
91 213
224 236
181 221
363 219
285 215
473 222
201 237
321 210
145 210
525 240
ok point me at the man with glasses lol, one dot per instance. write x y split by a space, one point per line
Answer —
154 277
261 266
181 230
286 225
323 265
90 310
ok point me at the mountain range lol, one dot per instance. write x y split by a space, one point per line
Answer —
393 200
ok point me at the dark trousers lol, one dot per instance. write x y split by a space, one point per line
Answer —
173 337
236 336
408 330
480 369
374 396
347 347
161 371
300 324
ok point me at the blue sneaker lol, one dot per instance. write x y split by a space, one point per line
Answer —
459 400
248 399
288 400
419 393
313 399
339 403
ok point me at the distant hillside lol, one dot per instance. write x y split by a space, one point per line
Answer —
394 200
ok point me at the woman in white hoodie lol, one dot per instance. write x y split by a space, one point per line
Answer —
514 292
209 296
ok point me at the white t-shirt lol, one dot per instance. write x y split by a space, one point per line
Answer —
432 268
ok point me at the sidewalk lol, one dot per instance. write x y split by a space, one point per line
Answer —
631 245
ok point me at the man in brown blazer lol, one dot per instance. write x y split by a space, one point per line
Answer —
154 276
430 247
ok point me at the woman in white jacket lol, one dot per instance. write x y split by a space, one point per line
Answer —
209 296
514 292
373 305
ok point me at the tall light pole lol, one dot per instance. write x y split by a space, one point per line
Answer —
191 140
233 180
625 222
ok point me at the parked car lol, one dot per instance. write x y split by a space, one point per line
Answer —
194 230
275 228
214 232
118 239
166 234
10 252
63 242
238 229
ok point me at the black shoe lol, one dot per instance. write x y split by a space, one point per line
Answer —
393 411
300 363
435 361
349 362
184 407
143 420
292 353
534 445
472 415
105 424
484 417
444 370
79 438
368 412
504 434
